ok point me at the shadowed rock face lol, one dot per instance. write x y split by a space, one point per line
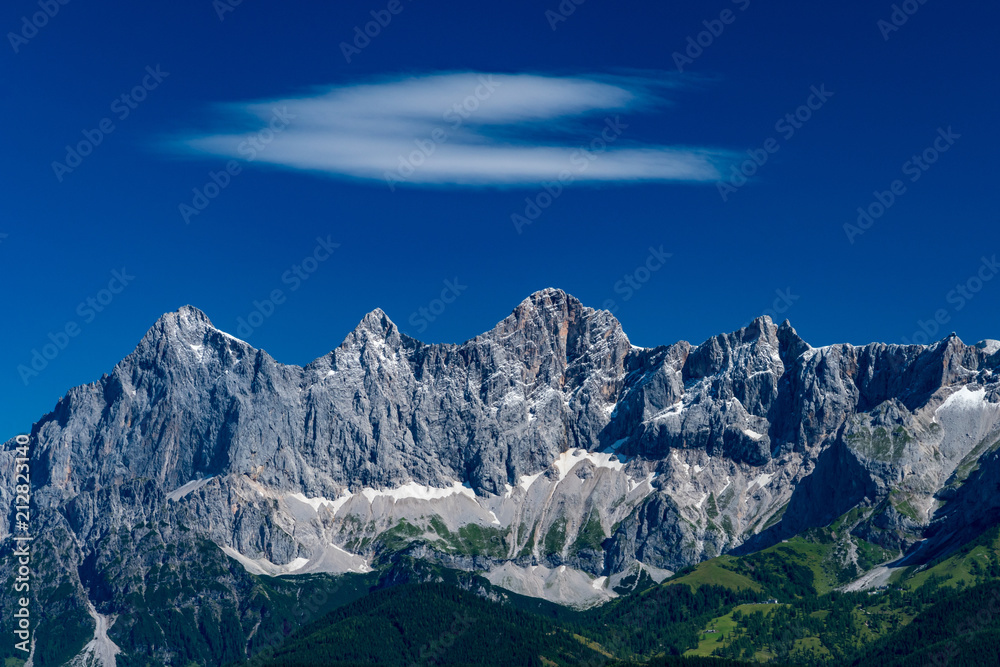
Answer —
575 447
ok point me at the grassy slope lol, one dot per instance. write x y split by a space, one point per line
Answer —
717 572
721 628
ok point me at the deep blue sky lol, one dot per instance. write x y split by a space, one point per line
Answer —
783 230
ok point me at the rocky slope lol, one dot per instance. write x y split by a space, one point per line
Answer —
549 453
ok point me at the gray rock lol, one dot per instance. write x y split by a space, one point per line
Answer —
685 452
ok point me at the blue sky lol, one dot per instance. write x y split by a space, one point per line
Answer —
829 102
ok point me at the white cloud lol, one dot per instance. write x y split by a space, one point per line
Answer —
463 129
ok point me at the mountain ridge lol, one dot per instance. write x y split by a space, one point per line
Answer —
548 453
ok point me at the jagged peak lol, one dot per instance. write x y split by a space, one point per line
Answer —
550 296
951 338
791 345
375 325
378 321
187 326
188 317
553 307
185 322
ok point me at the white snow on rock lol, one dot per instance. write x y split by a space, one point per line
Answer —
964 399
525 481
634 484
318 502
989 345
570 459
415 491
966 419
185 489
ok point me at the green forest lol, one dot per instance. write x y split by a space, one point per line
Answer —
769 607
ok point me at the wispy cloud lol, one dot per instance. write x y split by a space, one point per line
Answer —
462 129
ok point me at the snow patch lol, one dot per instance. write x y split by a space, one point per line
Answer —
762 480
318 502
571 458
185 489
964 399
634 484
414 491
526 481
989 346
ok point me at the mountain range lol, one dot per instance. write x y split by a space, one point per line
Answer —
201 489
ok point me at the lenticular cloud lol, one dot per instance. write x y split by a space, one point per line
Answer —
461 129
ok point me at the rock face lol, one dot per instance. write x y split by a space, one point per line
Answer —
548 441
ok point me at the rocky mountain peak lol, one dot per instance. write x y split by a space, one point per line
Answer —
791 345
551 320
546 307
375 327
184 321
185 327
549 432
